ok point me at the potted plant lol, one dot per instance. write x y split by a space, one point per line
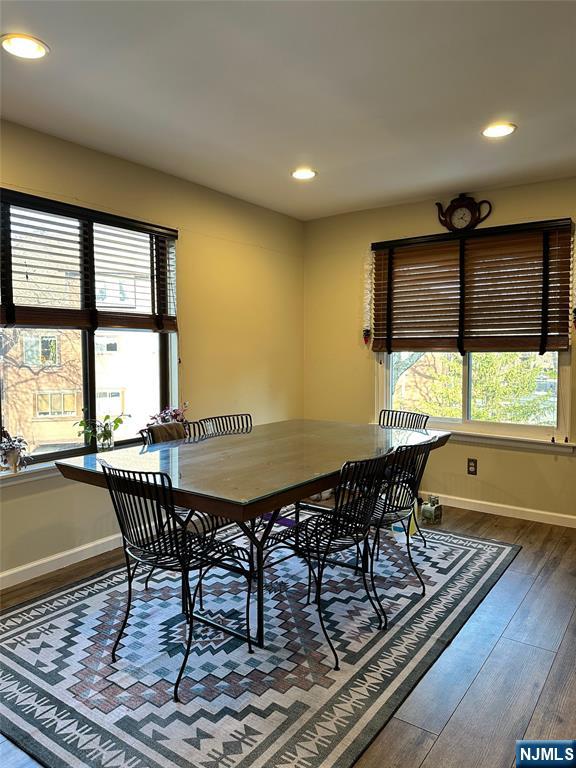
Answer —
102 429
13 452
169 414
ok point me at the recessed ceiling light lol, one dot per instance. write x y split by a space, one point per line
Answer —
24 46
303 174
498 130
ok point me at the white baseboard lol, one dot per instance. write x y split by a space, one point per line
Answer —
71 556
60 560
490 507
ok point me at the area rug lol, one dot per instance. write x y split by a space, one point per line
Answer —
65 703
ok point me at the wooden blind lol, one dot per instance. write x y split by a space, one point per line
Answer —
68 267
504 288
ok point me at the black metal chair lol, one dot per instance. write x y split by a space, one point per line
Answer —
343 527
398 496
173 430
155 535
402 419
230 424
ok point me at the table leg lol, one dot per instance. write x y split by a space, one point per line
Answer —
259 545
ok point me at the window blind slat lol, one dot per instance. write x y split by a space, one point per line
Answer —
77 271
507 291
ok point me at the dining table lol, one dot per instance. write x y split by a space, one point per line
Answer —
251 476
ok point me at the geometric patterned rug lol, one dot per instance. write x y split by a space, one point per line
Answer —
65 703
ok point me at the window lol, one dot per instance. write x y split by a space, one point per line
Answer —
124 384
427 382
56 404
42 401
82 292
477 326
479 389
105 344
40 350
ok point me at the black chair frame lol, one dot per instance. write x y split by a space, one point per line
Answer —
155 535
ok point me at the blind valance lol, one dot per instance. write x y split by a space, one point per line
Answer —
63 266
502 288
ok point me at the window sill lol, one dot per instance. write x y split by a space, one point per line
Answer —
40 471
512 442
47 469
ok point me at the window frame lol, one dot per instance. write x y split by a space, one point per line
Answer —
469 426
90 317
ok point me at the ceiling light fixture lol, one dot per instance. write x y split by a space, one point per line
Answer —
24 46
303 174
498 130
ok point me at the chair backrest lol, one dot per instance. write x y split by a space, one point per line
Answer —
356 495
230 424
402 419
144 506
173 430
402 477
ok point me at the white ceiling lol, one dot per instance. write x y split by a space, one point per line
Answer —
385 99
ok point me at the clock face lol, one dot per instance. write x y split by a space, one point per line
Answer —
461 218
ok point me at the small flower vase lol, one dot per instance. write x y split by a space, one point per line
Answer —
12 459
105 442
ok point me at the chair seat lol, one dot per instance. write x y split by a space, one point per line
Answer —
198 552
315 535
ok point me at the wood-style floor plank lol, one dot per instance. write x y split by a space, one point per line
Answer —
432 702
495 710
29 590
538 543
546 610
394 743
502 528
555 713
461 520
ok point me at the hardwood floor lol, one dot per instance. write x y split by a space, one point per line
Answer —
509 673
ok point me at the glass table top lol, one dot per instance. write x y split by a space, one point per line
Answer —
271 459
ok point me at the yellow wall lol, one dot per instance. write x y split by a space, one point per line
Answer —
339 371
239 270
270 313
240 302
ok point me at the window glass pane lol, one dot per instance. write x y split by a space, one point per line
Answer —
33 386
128 381
43 404
514 387
56 404
45 259
122 263
427 382
69 403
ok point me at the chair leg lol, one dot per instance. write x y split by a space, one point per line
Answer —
150 573
373 582
408 549
377 542
131 574
321 618
190 603
372 603
200 594
419 531
309 593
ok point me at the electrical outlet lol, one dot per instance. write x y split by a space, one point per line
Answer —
472 466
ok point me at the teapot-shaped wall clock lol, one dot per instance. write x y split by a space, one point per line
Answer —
463 212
